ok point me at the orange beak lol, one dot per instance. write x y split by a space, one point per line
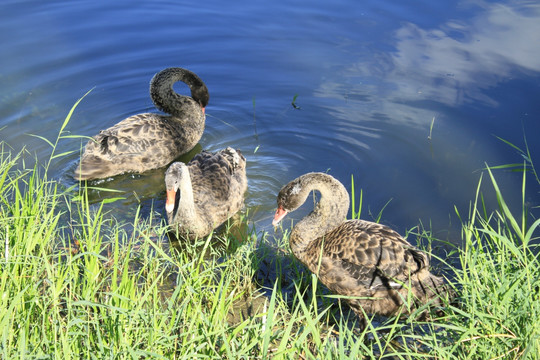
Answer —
169 203
279 215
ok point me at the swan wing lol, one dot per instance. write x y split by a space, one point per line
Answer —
373 254
139 135
214 176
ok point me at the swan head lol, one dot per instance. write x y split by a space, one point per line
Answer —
200 94
295 193
173 177
288 200
199 91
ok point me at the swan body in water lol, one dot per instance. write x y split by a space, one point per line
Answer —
150 140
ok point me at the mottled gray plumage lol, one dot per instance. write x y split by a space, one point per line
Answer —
211 188
356 258
150 140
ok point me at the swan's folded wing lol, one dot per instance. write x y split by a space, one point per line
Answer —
218 193
373 254
211 176
142 135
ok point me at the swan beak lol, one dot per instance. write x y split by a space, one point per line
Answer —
280 214
169 203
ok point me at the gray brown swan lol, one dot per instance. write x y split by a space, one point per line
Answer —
368 262
149 141
211 189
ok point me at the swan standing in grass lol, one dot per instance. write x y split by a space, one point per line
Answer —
149 141
211 189
370 263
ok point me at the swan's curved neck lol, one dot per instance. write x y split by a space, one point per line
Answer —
327 214
168 100
186 204
178 181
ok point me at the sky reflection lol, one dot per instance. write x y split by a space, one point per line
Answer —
454 63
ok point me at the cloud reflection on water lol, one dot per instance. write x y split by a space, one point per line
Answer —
455 63
450 65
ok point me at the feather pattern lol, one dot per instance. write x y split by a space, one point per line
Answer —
211 189
368 262
149 141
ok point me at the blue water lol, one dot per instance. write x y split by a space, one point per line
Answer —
369 79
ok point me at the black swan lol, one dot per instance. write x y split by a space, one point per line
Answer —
149 141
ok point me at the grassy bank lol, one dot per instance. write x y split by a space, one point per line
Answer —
75 283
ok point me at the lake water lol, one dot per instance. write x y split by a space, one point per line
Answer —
370 80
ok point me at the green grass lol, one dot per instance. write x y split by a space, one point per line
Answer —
76 283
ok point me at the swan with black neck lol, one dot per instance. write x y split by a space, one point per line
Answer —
149 141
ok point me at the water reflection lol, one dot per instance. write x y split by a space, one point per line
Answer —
455 73
458 61
452 64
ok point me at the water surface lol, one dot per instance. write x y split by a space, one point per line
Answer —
370 79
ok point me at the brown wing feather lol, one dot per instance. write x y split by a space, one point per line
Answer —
218 182
136 144
131 136
372 254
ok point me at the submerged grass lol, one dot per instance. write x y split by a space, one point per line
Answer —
75 283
